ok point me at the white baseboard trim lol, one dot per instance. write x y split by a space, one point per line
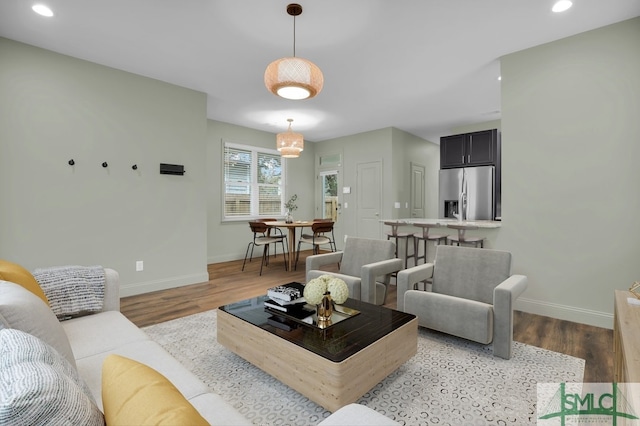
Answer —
228 257
567 313
149 286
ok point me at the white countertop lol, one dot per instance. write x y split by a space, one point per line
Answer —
444 222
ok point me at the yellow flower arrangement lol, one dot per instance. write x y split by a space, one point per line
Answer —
316 288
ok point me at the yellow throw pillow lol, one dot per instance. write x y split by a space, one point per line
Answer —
15 273
136 394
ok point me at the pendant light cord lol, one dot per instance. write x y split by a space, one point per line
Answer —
294 36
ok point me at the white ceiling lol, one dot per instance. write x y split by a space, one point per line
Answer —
423 66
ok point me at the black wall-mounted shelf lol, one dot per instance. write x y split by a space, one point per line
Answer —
171 169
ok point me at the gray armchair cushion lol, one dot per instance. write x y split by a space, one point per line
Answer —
408 278
317 261
472 295
452 315
352 282
365 265
355 283
470 273
362 251
504 297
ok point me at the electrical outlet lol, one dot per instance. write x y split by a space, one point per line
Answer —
139 266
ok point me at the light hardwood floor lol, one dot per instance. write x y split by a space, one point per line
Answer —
227 283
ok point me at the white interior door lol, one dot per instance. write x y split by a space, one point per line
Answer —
369 199
417 196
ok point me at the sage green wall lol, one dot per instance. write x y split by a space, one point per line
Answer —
570 150
395 149
360 148
408 148
227 240
56 108
476 127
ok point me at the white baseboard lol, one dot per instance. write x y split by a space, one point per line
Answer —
567 313
149 286
228 257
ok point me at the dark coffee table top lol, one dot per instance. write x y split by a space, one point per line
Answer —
335 343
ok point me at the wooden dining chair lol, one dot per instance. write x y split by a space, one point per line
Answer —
317 238
274 232
260 238
332 237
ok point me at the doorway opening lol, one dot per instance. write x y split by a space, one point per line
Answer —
329 198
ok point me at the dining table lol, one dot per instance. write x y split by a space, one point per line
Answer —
292 235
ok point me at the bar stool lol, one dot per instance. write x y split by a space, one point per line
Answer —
461 238
425 237
398 236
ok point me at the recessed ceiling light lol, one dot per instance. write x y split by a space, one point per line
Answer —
561 6
43 10
499 78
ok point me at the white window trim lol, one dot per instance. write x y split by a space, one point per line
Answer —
254 179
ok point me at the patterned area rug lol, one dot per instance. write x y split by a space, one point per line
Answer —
449 381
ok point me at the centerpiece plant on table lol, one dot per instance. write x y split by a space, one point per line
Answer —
291 206
323 292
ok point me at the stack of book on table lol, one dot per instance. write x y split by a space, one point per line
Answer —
288 299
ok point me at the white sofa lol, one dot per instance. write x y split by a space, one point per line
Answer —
86 341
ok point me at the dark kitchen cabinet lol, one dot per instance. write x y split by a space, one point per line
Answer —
469 149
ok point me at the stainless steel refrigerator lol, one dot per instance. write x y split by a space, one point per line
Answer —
467 193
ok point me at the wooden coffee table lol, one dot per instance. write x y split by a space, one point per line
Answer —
332 367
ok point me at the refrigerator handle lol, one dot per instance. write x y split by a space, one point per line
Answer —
465 184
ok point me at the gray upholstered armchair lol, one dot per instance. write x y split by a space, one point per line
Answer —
472 295
366 266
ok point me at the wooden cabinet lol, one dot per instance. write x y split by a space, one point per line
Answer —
626 340
470 149
626 348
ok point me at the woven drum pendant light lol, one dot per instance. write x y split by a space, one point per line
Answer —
291 77
290 144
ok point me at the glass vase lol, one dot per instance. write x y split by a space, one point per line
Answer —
289 217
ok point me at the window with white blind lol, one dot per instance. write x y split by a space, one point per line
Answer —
253 182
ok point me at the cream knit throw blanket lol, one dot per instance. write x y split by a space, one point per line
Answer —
72 290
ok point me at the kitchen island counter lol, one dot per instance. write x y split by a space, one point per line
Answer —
490 224
489 229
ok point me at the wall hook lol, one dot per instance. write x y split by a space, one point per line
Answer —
104 164
71 162
134 167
